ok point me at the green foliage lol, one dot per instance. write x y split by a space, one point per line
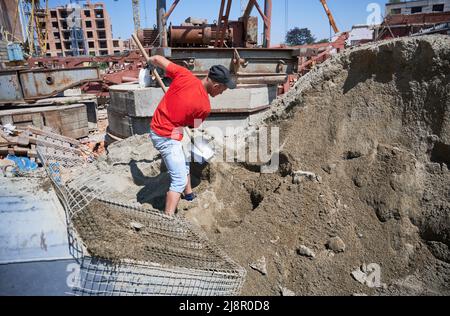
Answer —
298 36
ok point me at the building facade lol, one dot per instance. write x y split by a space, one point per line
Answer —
92 34
416 7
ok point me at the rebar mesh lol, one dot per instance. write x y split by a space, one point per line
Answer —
169 256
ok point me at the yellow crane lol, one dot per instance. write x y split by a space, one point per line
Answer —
330 16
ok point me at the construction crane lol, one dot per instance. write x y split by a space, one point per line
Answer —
35 18
136 15
330 16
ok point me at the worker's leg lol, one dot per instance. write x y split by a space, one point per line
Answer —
173 156
188 189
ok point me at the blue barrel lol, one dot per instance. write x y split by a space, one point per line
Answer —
15 52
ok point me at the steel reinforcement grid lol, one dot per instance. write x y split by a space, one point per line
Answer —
179 259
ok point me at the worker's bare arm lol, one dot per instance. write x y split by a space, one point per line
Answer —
160 62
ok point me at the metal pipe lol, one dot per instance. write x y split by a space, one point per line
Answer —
160 13
167 15
267 22
219 22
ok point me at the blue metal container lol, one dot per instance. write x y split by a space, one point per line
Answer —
15 52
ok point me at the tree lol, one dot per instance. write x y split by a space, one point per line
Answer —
325 40
298 36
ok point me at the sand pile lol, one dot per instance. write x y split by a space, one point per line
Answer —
373 126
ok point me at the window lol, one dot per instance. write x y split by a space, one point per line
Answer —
56 35
101 34
116 43
63 14
99 14
87 13
416 10
90 34
100 24
88 24
103 44
103 52
53 14
58 46
91 44
55 25
438 8
64 24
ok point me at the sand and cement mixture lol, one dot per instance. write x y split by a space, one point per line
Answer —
373 126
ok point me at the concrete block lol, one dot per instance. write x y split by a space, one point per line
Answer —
124 126
134 101
245 97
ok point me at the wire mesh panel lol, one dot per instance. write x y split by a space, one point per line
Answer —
126 250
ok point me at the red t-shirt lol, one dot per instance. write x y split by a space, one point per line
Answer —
185 102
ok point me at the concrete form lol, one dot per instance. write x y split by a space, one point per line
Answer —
132 108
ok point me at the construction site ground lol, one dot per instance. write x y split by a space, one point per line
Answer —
363 182
373 126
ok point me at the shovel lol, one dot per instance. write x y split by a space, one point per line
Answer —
202 150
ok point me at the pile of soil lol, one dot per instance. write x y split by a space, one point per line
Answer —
371 126
115 233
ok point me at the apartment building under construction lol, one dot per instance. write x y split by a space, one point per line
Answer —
84 30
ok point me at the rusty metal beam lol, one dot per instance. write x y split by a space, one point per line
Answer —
249 9
267 22
169 12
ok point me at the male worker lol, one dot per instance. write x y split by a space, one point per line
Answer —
186 104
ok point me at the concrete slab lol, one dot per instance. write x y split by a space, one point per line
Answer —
32 222
245 97
131 100
132 108
50 278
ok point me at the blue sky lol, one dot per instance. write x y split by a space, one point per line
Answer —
301 13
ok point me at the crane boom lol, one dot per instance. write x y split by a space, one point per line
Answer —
330 16
136 15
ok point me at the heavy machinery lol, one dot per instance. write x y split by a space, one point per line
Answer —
199 33
330 16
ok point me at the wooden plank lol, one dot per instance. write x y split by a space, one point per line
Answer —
54 136
38 120
53 120
35 141
18 118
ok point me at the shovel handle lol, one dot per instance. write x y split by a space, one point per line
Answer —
147 59
155 73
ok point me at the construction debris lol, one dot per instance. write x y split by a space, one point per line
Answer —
336 244
260 265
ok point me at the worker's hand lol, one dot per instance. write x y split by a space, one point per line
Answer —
150 68
159 61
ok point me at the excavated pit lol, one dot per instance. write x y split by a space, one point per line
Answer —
373 125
